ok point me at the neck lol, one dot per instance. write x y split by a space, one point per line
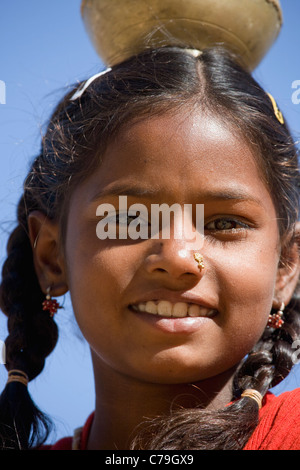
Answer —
123 404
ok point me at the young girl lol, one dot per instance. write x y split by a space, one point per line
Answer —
185 342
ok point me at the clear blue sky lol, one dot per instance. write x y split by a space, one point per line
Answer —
44 48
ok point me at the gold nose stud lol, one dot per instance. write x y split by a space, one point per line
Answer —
199 259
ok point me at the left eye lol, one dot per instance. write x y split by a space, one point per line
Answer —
124 218
225 224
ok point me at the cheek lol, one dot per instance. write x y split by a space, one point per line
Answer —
246 279
98 274
246 292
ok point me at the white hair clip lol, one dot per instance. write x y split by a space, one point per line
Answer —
78 93
87 83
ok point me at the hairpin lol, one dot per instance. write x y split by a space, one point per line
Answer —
277 113
78 93
194 52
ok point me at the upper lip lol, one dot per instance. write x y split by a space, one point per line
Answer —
172 296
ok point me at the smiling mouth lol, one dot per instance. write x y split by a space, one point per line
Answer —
167 309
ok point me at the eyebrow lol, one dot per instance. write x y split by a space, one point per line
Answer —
235 194
230 194
125 190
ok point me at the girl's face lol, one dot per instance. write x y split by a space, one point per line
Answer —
181 158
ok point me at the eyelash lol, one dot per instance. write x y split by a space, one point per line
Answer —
243 226
132 217
222 235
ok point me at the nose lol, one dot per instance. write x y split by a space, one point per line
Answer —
175 259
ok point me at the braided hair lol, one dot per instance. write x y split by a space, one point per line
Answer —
32 337
79 130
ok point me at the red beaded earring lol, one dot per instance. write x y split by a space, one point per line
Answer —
275 320
50 304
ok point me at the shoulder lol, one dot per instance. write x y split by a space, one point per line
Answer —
278 427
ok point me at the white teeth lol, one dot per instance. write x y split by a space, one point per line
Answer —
180 309
194 310
164 308
150 307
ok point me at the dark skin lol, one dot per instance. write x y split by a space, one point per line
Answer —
143 367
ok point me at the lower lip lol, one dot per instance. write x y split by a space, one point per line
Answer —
186 325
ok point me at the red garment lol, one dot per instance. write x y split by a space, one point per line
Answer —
278 428
66 443
279 425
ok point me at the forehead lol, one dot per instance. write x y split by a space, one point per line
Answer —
181 152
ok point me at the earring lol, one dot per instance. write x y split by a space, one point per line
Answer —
275 319
50 304
200 261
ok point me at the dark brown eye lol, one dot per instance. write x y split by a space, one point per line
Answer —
225 224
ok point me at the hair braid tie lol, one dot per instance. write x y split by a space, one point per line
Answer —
254 395
16 375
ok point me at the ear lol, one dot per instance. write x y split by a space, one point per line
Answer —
289 270
47 253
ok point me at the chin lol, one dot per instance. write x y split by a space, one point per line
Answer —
174 372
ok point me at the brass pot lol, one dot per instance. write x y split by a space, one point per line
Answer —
121 28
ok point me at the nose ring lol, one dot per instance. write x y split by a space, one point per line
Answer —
199 259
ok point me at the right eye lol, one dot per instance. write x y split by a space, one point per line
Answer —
123 218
